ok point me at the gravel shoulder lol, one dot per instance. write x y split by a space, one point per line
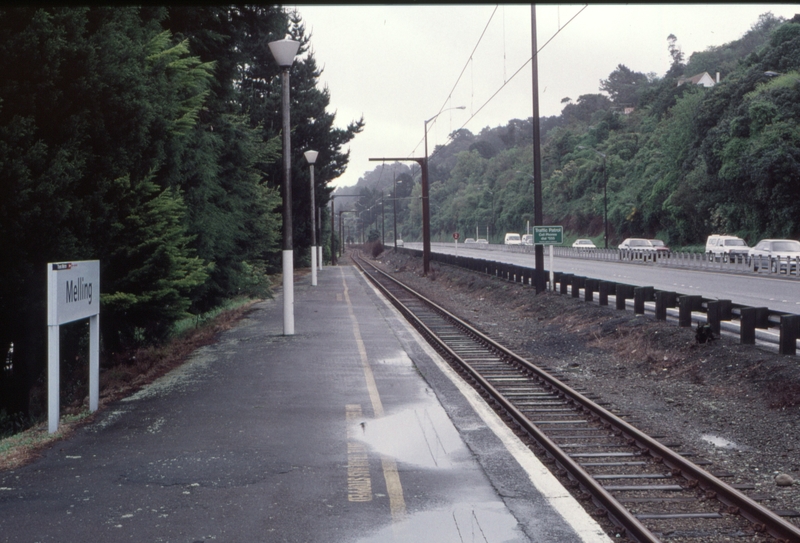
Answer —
735 405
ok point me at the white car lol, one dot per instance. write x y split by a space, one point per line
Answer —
583 244
399 242
481 241
768 252
527 239
469 240
637 244
512 239
726 247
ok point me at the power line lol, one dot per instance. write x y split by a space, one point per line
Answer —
464 69
471 55
521 67
469 60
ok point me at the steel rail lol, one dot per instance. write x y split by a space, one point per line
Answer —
763 519
616 511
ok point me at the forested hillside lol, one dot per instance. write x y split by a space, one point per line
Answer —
147 138
681 161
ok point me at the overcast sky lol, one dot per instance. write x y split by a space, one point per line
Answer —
399 65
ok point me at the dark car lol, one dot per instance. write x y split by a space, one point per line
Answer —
661 249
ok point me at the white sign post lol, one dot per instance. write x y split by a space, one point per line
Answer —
73 293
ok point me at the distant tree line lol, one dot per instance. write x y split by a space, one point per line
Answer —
680 161
148 138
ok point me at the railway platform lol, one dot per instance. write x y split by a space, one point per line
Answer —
353 430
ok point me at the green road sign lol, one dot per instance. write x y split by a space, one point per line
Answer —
548 235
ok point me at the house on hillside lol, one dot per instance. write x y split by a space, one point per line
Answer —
700 79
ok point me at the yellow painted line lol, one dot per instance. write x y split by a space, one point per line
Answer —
394 488
359 483
545 482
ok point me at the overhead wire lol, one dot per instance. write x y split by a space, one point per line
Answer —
468 63
473 115
469 60
506 82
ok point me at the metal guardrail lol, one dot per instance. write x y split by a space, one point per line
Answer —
788 267
689 309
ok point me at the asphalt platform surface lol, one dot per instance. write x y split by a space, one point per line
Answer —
352 430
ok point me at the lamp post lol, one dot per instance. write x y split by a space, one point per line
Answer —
311 157
426 212
333 229
605 202
284 52
491 221
319 238
333 225
394 208
605 195
341 227
394 203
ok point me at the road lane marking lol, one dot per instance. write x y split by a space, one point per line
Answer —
394 489
359 483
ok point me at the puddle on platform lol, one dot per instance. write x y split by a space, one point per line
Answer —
721 442
422 435
401 359
462 523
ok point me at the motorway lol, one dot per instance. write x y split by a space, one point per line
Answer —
775 292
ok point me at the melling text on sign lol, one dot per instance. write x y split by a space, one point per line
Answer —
73 291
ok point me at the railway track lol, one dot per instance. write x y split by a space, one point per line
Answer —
650 492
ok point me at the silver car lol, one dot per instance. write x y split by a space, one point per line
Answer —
637 244
583 244
777 254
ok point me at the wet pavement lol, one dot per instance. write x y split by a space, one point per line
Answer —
352 430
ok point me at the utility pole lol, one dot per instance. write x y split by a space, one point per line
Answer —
539 277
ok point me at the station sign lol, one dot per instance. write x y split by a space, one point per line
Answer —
548 235
73 291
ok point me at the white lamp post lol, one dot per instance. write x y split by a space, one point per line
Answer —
311 157
284 52
319 238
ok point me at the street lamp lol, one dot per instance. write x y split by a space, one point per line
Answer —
492 216
605 196
284 52
528 229
319 238
426 217
394 203
333 229
311 157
